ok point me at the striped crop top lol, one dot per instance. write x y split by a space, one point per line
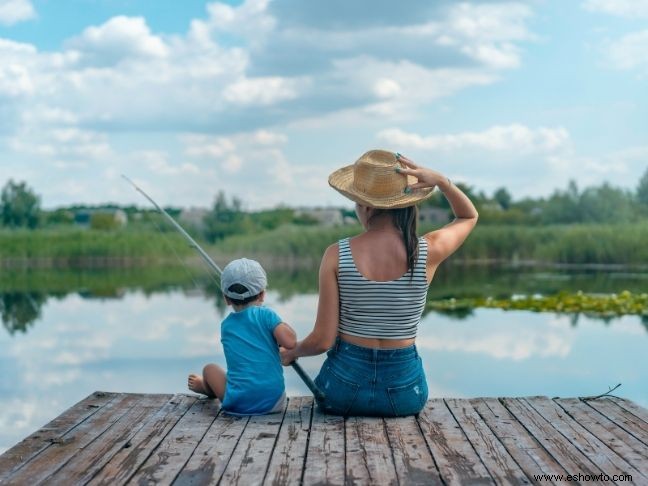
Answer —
383 310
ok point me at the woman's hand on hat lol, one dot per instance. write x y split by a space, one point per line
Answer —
425 177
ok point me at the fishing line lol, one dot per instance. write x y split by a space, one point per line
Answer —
216 269
169 244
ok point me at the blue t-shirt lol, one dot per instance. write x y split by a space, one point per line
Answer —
254 373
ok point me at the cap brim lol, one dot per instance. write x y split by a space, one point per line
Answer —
342 181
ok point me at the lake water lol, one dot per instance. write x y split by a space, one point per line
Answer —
66 335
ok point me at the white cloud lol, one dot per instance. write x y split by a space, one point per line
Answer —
15 76
14 11
622 8
490 22
387 88
250 18
486 32
15 80
62 143
120 75
158 163
552 339
622 167
416 87
515 137
630 51
118 39
250 150
266 137
236 80
17 414
260 91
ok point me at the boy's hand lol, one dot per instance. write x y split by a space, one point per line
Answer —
287 356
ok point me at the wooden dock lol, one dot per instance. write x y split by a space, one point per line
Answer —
118 438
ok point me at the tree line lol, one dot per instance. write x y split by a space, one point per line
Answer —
597 204
20 207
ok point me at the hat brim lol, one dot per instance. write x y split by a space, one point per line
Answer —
342 181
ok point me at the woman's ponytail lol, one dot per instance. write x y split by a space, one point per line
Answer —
406 220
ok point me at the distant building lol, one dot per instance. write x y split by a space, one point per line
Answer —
324 216
194 217
83 217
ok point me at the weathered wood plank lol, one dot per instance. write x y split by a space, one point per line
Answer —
137 449
597 452
412 459
287 462
632 407
58 454
621 417
369 458
172 453
89 460
529 454
558 446
325 456
493 454
251 457
209 460
148 439
622 443
26 449
457 461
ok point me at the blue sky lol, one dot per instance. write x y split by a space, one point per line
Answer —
264 98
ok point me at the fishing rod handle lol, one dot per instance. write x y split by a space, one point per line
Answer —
315 390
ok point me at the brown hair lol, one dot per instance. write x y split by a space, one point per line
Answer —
406 220
240 289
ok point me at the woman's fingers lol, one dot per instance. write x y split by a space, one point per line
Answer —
403 170
408 162
420 185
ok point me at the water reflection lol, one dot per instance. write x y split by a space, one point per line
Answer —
24 292
19 310
144 340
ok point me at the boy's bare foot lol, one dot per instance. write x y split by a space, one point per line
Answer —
195 383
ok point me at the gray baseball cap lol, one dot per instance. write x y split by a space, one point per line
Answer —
248 273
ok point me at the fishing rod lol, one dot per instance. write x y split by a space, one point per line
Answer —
192 242
212 264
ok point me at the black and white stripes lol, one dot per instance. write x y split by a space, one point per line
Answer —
384 310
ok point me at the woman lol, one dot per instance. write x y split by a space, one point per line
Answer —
372 288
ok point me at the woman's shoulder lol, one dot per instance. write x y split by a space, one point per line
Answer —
331 256
332 249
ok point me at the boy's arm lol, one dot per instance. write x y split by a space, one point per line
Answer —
285 335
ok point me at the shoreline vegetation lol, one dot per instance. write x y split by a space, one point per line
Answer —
613 246
593 305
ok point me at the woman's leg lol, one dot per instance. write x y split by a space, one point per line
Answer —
340 388
212 382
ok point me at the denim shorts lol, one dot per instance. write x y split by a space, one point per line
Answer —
372 382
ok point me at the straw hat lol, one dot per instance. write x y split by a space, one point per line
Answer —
373 181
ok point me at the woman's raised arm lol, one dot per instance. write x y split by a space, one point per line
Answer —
445 241
325 330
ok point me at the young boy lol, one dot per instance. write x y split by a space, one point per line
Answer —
251 336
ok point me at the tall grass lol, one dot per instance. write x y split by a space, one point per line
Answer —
307 242
62 244
577 244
